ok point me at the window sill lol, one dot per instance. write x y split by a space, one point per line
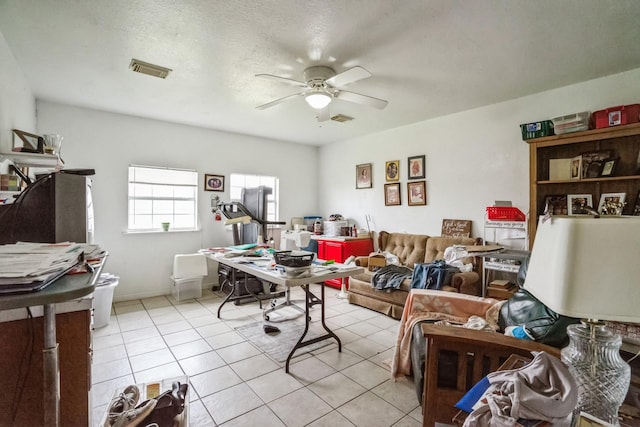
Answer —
188 230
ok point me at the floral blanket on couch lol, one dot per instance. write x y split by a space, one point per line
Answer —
437 305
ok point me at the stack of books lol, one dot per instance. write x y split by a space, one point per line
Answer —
501 289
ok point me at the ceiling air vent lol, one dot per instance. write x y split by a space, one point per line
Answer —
341 118
149 69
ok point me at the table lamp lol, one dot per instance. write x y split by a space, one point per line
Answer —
588 268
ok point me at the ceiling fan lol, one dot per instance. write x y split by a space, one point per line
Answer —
321 85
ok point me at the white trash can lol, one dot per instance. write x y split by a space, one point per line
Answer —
103 298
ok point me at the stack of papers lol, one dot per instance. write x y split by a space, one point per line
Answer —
27 267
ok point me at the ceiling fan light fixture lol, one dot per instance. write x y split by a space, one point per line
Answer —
318 100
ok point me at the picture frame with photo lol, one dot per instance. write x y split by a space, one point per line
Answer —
608 167
636 208
555 204
392 194
363 176
595 156
417 193
392 170
415 167
576 167
213 182
576 204
611 203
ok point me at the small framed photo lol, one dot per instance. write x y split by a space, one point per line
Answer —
363 176
416 167
392 194
636 208
611 203
213 182
556 204
576 167
392 170
417 193
576 203
608 167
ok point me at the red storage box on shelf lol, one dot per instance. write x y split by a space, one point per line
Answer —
615 116
505 213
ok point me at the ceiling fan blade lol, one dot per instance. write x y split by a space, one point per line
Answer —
282 80
278 101
349 76
362 99
323 115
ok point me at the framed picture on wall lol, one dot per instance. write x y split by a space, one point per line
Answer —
417 193
392 170
213 182
392 194
416 167
363 176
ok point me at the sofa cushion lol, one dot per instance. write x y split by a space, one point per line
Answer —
437 245
409 248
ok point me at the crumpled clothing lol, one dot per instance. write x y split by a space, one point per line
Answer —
453 255
542 390
390 277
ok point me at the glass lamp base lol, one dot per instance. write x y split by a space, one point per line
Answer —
593 358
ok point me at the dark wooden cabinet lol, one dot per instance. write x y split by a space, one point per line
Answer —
22 369
339 249
622 141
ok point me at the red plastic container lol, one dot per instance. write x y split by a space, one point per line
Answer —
615 116
505 213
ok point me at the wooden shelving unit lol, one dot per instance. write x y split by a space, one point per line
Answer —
623 141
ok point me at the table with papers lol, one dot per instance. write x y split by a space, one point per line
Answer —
317 274
34 274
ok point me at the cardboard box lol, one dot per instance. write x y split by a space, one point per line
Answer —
501 293
376 260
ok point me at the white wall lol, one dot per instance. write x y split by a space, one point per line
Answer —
109 143
17 104
472 158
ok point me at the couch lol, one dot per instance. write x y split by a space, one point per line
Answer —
410 249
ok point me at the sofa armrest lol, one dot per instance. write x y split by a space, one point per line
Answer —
467 283
362 261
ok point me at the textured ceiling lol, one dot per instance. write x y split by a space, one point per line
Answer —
428 57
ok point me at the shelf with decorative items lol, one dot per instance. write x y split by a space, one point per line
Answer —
598 168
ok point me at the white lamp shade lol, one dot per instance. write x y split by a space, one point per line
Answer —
587 267
318 100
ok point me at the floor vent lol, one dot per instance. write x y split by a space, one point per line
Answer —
149 69
341 118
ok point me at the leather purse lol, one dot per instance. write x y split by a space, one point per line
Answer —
542 323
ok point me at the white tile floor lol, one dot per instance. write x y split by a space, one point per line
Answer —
233 383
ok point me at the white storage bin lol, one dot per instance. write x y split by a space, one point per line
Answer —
102 300
571 123
187 288
333 228
188 272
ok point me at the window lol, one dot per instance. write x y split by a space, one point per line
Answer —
158 195
238 181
